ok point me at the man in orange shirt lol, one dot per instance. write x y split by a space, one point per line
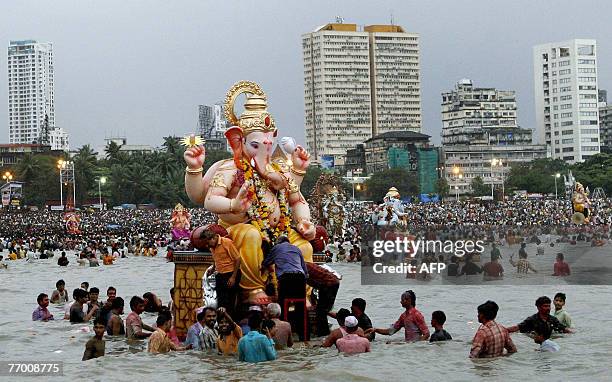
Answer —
227 264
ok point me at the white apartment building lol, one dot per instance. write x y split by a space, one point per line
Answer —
59 139
481 137
30 90
358 84
565 78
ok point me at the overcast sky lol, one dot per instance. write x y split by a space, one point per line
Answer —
140 68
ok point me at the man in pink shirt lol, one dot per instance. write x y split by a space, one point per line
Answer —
352 343
413 322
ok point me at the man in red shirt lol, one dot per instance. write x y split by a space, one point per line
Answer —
491 338
413 322
493 270
561 268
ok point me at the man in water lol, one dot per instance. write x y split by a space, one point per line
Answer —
95 347
493 270
561 268
542 318
281 334
491 338
438 318
94 293
133 323
413 322
194 333
209 334
76 310
229 333
339 332
522 265
115 326
542 337
560 313
41 313
105 310
159 342
63 260
352 343
256 347
60 295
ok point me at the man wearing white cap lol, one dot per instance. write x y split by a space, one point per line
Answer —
352 343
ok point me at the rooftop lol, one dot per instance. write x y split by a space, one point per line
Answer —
406 134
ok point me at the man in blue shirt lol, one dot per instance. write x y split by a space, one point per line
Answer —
256 347
291 273
193 334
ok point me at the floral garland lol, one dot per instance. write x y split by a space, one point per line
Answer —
259 212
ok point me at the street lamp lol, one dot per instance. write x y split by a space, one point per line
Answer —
557 175
494 162
61 164
101 181
7 176
457 175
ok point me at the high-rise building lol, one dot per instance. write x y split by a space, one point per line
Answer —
605 127
472 115
566 97
481 137
59 139
212 126
31 98
358 84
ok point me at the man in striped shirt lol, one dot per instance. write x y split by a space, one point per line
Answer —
491 338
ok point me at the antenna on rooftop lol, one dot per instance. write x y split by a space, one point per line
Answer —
339 20
392 17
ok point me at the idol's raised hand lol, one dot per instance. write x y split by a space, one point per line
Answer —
194 157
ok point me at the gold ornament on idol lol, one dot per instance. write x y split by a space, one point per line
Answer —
192 140
255 116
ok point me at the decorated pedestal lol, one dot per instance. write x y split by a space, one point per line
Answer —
189 268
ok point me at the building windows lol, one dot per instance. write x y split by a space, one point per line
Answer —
564 71
586 61
589 131
587 79
565 97
566 80
567 141
587 104
564 63
568 149
567 132
586 122
588 96
586 70
566 115
567 123
590 148
586 50
589 140
565 89
566 106
588 114
587 87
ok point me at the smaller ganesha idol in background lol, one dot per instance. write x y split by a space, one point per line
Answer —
180 223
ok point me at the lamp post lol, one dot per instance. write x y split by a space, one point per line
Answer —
557 175
495 162
101 181
457 175
61 164
7 176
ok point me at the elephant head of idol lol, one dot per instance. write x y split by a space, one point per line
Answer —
253 135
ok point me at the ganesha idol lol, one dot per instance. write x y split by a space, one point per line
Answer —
256 194
180 223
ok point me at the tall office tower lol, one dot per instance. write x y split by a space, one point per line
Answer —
31 97
358 84
566 96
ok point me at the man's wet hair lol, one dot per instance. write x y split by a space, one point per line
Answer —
162 319
41 297
341 315
117 303
255 321
489 310
60 282
542 300
360 303
135 301
560 296
439 316
94 290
